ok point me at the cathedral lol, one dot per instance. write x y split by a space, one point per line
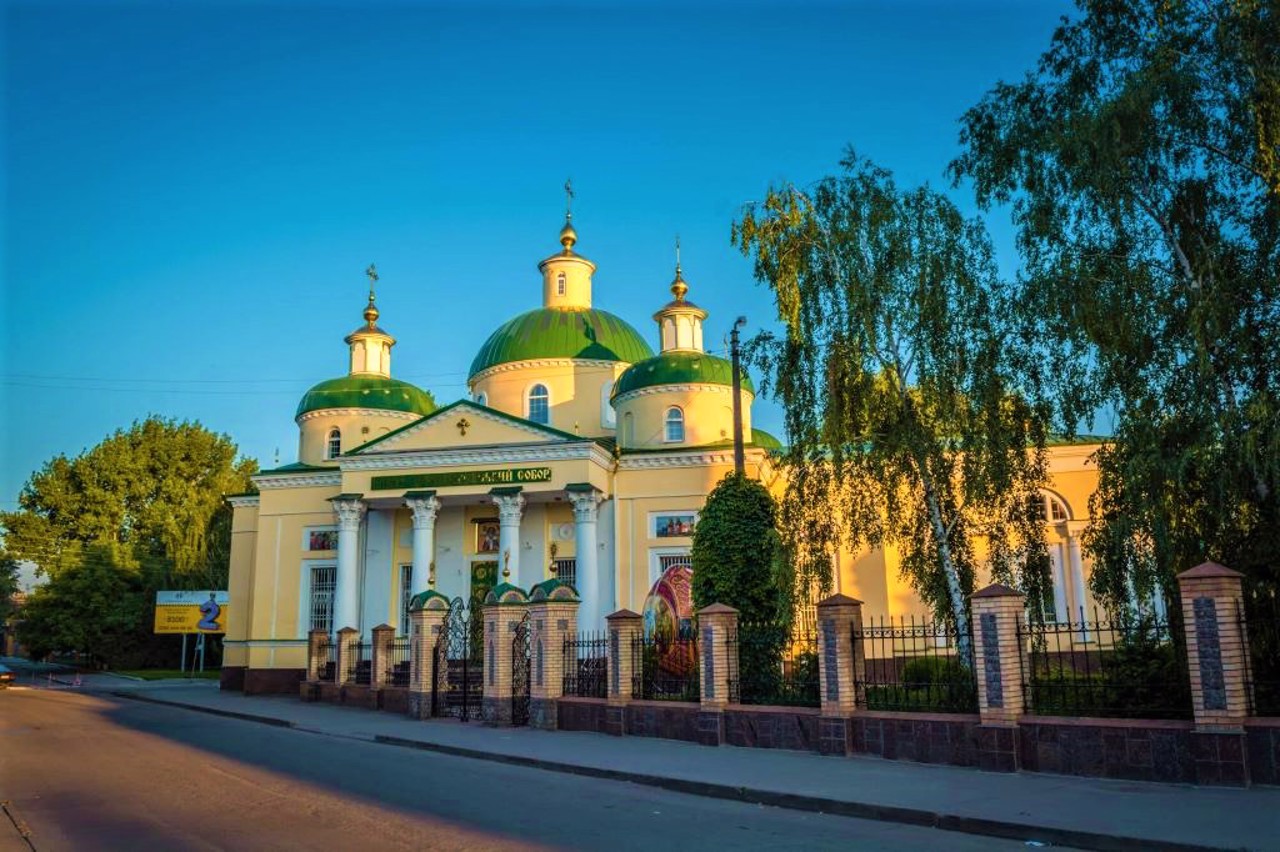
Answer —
580 454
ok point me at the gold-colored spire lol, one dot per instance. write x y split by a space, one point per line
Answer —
371 311
568 236
678 286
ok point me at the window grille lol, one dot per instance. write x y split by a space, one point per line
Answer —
567 571
670 560
323 581
406 597
560 284
675 425
334 448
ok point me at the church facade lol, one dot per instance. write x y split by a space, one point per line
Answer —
581 453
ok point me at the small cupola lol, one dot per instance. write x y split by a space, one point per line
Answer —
566 275
370 345
680 321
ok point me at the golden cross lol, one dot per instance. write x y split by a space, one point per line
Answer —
568 203
463 426
372 272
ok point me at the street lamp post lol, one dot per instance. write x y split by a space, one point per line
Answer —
739 463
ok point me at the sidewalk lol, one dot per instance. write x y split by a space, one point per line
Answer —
1080 812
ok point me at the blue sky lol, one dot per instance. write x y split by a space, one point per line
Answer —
193 190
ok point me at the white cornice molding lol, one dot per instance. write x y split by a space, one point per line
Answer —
240 501
492 454
686 458
270 481
700 387
363 412
472 410
513 366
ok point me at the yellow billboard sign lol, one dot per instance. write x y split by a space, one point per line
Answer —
191 612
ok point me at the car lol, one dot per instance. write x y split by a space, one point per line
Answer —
6 675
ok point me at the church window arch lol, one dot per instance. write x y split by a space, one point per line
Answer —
673 425
481 398
560 284
1048 507
608 417
333 445
538 408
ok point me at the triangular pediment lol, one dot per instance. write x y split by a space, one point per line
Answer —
460 425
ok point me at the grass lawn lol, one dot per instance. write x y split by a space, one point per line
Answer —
164 674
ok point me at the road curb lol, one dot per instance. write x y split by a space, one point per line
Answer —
212 711
1004 829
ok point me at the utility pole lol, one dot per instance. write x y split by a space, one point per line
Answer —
739 463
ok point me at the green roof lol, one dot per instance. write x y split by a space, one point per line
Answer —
764 440
367 392
679 367
589 334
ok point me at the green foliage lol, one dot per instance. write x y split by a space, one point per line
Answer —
774 670
143 510
1142 677
1142 163
909 418
8 586
737 558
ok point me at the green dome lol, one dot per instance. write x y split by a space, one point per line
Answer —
679 367
559 333
367 392
764 440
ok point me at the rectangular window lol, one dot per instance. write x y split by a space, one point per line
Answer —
323 581
567 571
664 558
672 524
320 538
406 597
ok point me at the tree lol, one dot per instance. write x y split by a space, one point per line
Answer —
737 557
8 586
1142 163
898 374
156 490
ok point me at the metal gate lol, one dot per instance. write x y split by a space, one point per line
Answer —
457 669
520 673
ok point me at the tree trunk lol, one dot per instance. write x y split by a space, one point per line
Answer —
958 609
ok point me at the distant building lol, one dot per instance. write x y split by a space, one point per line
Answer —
580 454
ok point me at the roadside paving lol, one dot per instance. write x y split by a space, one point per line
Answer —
1082 812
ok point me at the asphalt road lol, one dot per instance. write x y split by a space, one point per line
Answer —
86 772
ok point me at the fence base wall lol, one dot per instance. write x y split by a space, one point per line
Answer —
393 699
231 679
543 713
272 681
418 705
791 728
1263 750
920 737
353 695
835 735
309 691
668 720
582 714
496 711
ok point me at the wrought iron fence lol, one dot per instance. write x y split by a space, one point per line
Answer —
1131 666
1260 621
398 662
915 665
328 668
360 668
776 664
586 664
665 667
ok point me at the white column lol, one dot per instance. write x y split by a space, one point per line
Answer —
591 611
510 508
1077 583
346 603
1061 611
425 511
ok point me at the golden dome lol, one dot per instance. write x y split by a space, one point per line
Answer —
568 236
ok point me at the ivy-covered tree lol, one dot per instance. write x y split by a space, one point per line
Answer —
908 419
1141 160
737 555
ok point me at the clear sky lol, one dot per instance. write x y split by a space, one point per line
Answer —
192 191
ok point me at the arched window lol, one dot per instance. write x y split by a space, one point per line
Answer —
539 405
674 423
1049 508
560 285
608 417
481 399
333 448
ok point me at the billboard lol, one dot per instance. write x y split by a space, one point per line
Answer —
202 611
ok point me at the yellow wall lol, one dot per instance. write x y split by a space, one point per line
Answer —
708 417
577 279
358 426
244 535
577 389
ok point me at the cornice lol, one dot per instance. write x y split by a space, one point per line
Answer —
513 366
472 410
365 412
240 501
296 480
700 387
492 454
677 458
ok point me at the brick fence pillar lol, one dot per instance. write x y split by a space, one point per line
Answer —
996 612
380 654
504 607
625 628
1217 660
717 640
348 637
553 616
838 673
317 653
427 613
